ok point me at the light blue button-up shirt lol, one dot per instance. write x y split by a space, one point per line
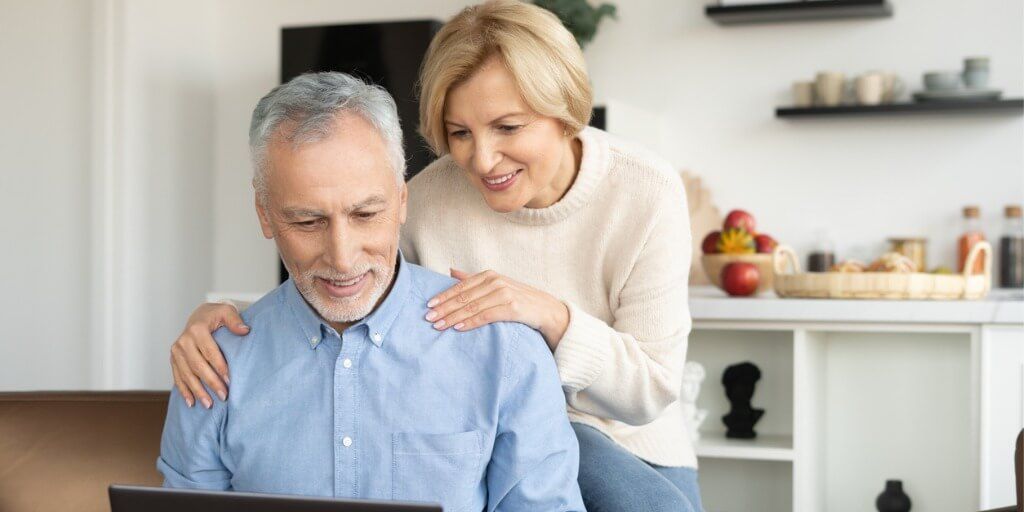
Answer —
388 409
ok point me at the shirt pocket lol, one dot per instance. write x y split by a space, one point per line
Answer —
439 468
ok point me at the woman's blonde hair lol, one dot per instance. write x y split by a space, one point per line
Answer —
535 47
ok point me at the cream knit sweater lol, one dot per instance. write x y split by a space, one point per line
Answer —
616 250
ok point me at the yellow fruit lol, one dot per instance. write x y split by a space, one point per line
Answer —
736 241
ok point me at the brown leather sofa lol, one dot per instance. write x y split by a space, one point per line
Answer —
60 450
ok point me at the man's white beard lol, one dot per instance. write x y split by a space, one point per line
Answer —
348 309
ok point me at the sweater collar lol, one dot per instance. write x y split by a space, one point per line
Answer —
594 164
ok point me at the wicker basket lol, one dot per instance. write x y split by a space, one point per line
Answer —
791 282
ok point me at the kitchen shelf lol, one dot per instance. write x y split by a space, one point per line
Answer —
1005 106
798 11
709 304
765 447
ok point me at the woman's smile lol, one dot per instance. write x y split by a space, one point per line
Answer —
501 182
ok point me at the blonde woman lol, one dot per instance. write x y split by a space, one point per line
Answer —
548 223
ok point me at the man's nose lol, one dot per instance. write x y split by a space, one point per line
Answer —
486 155
342 248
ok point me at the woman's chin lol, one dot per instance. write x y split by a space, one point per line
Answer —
502 202
502 205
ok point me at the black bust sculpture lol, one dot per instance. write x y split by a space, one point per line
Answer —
739 381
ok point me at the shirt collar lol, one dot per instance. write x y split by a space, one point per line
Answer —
380 320
377 323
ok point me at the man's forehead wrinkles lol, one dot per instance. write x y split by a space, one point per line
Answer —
299 211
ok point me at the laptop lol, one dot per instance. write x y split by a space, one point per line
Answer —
127 498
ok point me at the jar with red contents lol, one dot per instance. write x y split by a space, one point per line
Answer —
972 234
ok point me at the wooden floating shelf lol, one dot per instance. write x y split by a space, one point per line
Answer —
798 11
1008 106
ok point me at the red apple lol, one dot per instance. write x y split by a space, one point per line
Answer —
710 243
740 279
765 243
741 219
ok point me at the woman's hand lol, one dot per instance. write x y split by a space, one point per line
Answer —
195 355
487 297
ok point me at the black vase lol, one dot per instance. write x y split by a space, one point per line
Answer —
893 499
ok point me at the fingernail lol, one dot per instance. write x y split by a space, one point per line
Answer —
243 327
459 326
432 303
223 396
431 315
439 324
227 379
190 402
207 403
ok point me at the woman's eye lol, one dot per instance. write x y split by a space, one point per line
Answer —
459 134
509 128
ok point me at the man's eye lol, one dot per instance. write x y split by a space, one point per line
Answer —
306 223
366 215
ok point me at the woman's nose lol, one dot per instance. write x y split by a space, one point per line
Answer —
485 157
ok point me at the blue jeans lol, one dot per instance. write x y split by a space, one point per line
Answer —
614 480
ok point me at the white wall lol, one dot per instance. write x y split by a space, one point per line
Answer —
106 186
167 85
44 194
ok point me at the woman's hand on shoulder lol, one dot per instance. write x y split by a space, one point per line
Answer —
487 297
196 357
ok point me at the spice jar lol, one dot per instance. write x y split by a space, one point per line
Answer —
1011 249
972 234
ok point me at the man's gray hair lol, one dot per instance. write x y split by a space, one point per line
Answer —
310 104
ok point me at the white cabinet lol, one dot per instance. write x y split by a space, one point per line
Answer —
858 392
1002 411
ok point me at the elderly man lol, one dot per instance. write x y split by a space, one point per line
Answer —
340 388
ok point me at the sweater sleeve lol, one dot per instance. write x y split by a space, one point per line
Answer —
631 370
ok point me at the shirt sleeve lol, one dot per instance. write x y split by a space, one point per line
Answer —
535 460
190 446
631 370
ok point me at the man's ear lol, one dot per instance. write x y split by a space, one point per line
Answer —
261 212
403 202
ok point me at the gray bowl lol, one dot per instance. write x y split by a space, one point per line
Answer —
943 81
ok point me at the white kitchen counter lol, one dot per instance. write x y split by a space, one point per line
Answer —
1000 307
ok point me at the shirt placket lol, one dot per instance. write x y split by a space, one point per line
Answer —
346 403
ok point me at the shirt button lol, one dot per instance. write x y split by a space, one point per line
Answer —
347 441
347 363
377 337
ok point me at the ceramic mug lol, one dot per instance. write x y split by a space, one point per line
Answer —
803 94
870 88
892 86
828 86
